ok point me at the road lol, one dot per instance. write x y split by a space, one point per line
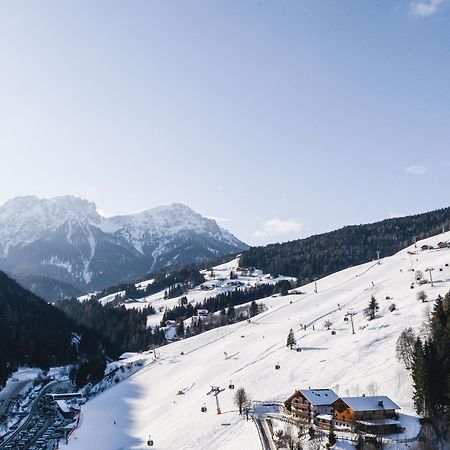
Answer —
53 385
9 395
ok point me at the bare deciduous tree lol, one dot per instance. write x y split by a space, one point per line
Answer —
372 388
422 296
405 347
241 399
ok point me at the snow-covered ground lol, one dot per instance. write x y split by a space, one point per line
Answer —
147 402
217 282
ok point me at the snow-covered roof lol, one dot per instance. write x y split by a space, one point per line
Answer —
374 403
324 416
127 355
375 422
63 406
319 397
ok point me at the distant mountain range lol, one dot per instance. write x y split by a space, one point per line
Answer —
61 246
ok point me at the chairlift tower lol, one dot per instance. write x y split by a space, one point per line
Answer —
315 285
351 314
378 257
430 269
216 390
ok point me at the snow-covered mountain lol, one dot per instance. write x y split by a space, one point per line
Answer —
351 364
67 239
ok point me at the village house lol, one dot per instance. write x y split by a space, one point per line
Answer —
306 404
374 414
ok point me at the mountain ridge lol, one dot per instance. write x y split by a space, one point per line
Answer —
67 239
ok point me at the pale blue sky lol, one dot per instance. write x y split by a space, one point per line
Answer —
286 118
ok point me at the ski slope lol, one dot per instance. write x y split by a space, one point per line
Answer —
147 402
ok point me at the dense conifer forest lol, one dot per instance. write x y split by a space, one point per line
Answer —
32 332
323 254
118 329
431 363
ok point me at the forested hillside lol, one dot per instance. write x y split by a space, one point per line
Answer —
117 328
323 254
32 332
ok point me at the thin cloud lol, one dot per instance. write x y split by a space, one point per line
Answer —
425 8
277 227
416 169
219 219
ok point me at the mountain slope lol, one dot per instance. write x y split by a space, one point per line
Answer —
351 364
32 332
66 239
326 253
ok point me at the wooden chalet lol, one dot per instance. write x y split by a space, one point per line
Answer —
374 414
306 404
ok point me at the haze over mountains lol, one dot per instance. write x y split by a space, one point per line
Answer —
65 243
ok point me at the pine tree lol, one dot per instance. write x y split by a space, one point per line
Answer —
372 309
291 342
253 309
418 376
231 313
331 438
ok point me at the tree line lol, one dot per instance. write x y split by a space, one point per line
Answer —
226 300
323 254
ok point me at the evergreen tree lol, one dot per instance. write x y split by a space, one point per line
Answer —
291 342
418 375
254 310
372 309
331 438
180 329
231 313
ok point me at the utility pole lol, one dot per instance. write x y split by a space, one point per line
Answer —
215 390
430 269
315 285
378 257
351 314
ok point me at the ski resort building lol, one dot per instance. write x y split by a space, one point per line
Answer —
374 414
323 408
306 404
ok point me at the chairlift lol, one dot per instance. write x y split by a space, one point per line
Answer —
231 385
333 332
345 319
150 441
203 409
277 366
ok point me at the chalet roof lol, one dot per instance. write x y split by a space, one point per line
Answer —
319 397
375 403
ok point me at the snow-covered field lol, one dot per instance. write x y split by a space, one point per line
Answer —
147 402
217 282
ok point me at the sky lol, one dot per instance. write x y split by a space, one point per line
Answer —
280 119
